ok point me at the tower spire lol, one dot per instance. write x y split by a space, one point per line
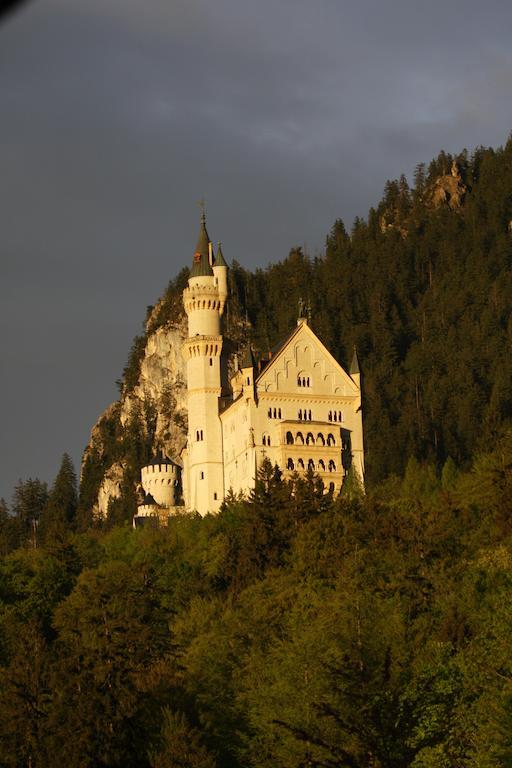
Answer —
201 263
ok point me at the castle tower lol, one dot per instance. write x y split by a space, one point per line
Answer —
204 300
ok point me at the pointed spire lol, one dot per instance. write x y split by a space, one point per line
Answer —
219 258
354 365
247 358
201 264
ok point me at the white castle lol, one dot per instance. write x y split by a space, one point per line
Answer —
299 408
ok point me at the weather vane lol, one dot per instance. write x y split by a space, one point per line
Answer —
202 205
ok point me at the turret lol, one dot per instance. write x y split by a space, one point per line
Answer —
247 371
160 480
220 271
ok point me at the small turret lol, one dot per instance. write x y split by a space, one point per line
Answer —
220 270
247 366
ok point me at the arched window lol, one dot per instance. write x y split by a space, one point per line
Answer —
309 412
201 432
340 416
331 487
311 464
270 413
300 438
279 413
298 381
320 439
329 417
289 438
330 439
290 464
300 464
321 465
268 440
335 416
307 381
275 413
300 415
310 440
332 466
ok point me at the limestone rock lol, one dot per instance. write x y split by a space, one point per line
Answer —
449 189
110 488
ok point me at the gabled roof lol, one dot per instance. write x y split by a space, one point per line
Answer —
201 264
304 328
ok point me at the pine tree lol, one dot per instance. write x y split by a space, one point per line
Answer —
59 516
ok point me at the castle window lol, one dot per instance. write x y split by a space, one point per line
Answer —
201 476
307 381
340 416
211 361
248 381
290 464
215 497
329 417
298 381
300 464
310 415
275 413
300 415
300 438
268 440
311 464
332 466
321 465
335 416
279 413
330 439
320 439
310 440
270 413
331 487
289 438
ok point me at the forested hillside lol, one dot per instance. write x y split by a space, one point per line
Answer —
297 630
423 288
290 630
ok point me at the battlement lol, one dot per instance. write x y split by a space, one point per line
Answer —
167 469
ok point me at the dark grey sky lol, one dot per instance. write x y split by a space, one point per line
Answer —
116 116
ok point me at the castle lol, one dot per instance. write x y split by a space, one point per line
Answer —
299 408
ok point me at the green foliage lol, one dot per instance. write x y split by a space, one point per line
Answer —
291 629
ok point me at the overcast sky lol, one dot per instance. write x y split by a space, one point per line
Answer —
117 116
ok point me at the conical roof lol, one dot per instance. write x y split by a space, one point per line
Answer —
247 358
354 365
201 264
219 258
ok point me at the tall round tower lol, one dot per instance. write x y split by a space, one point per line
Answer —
204 305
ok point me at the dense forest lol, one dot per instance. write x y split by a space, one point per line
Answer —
423 288
294 629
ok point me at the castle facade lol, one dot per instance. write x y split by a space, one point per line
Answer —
299 408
